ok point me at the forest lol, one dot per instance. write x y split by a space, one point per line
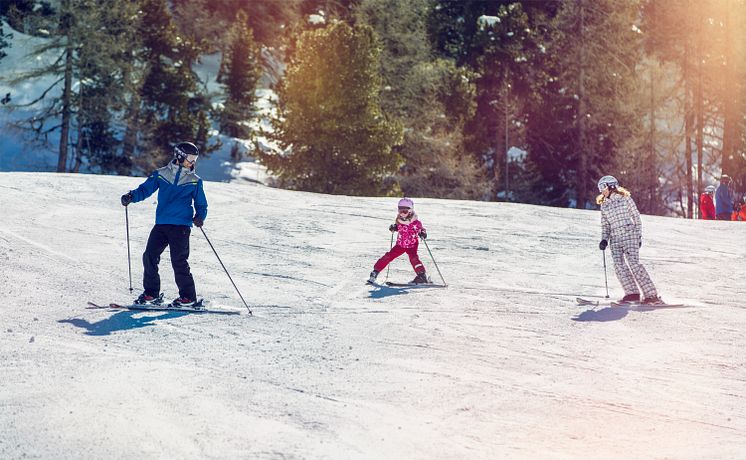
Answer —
522 101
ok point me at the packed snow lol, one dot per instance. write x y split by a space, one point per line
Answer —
500 364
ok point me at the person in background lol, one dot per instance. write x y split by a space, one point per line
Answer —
706 204
739 210
724 199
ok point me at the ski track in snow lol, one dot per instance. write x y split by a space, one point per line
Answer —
500 364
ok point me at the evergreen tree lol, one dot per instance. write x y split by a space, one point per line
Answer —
430 96
239 73
583 117
704 40
168 107
90 39
330 125
4 41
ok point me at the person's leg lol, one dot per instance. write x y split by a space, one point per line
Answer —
632 254
414 259
157 242
395 252
622 271
178 242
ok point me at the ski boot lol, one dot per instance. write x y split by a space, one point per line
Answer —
630 298
373 276
182 302
653 301
146 299
421 278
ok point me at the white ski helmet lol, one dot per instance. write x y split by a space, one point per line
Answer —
406 203
710 189
609 182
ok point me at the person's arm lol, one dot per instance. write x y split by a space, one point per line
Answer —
605 226
146 189
200 202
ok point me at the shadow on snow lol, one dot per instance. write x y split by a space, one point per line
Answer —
120 321
602 315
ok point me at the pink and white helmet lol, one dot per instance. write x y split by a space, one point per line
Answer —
406 203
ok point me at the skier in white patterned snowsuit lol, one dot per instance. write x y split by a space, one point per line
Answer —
621 225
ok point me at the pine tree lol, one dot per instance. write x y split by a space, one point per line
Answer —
4 41
430 96
331 126
168 107
90 41
240 72
583 117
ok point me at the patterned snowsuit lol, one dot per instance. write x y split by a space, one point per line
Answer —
621 226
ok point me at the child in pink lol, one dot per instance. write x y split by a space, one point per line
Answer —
410 229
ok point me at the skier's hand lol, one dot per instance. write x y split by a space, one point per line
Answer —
393 227
423 234
198 221
602 245
127 198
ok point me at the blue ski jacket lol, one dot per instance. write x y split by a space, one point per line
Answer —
177 188
723 199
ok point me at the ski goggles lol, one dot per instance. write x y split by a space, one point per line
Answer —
191 159
602 187
402 210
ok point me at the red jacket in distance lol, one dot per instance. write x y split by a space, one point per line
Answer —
706 207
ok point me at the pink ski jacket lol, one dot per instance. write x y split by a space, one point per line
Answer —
409 231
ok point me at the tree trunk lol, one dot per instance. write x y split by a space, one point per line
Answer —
583 148
66 97
688 128
699 102
731 92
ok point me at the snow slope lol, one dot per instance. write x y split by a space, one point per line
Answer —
501 364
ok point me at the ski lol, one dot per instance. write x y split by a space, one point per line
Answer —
582 301
197 308
413 285
642 306
389 284
630 305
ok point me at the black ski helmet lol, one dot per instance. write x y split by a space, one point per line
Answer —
184 149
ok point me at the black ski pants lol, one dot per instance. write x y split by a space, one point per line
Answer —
176 237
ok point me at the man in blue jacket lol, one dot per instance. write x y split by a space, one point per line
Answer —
724 199
178 187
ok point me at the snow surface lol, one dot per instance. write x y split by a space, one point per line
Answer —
501 364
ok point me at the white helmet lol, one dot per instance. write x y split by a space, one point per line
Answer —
710 189
609 182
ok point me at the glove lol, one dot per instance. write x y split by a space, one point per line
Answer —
127 198
198 221
602 245
423 234
640 242
393 227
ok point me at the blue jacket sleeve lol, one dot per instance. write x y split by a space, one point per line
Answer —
146 189
200 201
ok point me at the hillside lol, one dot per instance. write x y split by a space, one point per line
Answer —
501 364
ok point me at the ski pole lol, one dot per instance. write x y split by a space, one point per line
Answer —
226 271
606 278
434 262
129 258
388 267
